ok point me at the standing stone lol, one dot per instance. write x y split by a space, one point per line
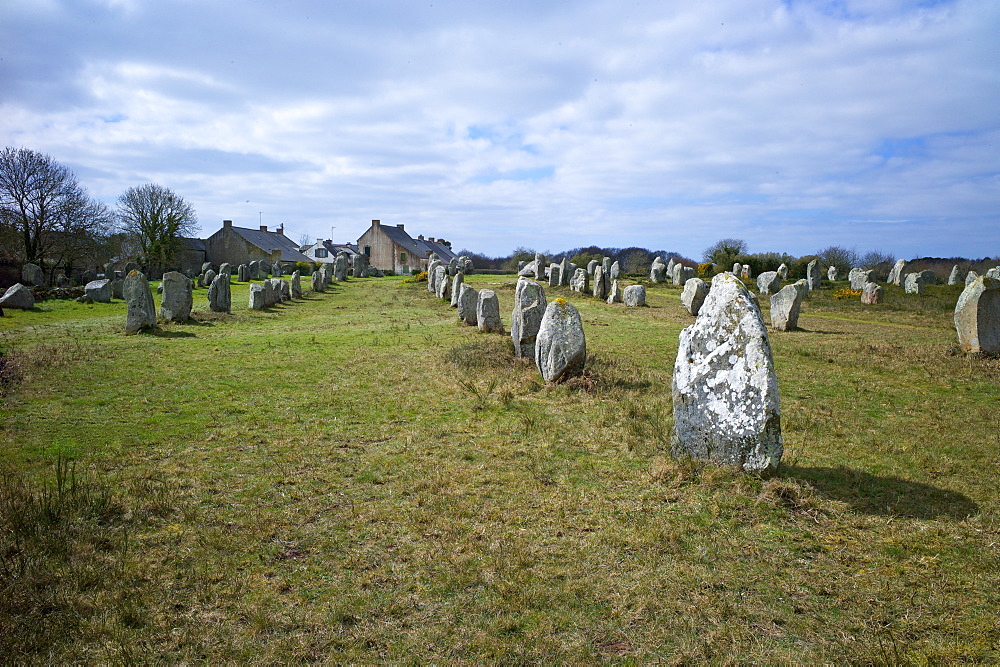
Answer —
432 275
226 268
140 308
591 267
210 277
252 268
872 294
970 277
296 285
615 293
634 296
682 274
520 266
453 266
555 275
99 290
18 296
670 269
737 269
768 283
606 265
977 316
488 312
929 277
657 273
616 271
813 277
693 295
206 267
284 289
831 273
178 297
600 290
913 283
746 273
896 275
468 302
219 295
580 282
257 293
337 271
539 266
456 288
565 272
442 282
785 306
860 277
561 348
32 275
956 276
241 273
529 307
360 265
118 288
725 391
317 282
994 273
783 271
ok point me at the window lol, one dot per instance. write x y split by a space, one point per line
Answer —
402 258
321 252
368 251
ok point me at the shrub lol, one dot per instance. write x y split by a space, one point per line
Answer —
416 278
706 269
304 268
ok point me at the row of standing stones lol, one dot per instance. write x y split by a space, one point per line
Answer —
724 386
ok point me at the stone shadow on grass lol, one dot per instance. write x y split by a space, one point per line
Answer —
168 333
884 496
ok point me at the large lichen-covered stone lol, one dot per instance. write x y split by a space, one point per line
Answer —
140 309
860 277
814 279
693 295
580 282
468 300
555 275
785 306
432 275
361 265
977 316
872 294
658 271
178 297
529 307
488 312
456 288
768 283
725 391
634 296
98 291
561 348
682 274
913 283
18 296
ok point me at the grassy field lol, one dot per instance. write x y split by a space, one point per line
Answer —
354 477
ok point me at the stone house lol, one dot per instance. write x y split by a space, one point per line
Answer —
240 245
325 251
191 255
391 248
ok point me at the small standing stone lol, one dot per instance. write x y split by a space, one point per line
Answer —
296 285
785 306
913 283
456 288
141 310
361 265
32 275
488 312
682 274
768 283
600 290
98 290
219 294
896 275
257 294
561 348
616 271
555 275
693 295
634 296
615 293
831 273
658 271
529 307
977 316
783 271
18 296
580 282
468 301
872 294
813 277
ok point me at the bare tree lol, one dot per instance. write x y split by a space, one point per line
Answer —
40 201
156 217
843 258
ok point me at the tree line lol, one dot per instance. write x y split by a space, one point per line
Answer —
47 218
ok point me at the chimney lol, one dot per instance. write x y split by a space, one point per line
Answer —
281 228
227 223
431 239
420 238
376 223
400 226
263 228
319 241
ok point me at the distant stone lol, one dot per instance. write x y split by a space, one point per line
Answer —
226 268
19 297
615 293
896 275
555 275
565 271
725 390
994 273
591 267
913 283
456 288
361 265
118 288
561 348
634 296
210 276
468 302
616 271
443 283
529 307
768 283
219 295
693 295
831 273
746 274
32 275
813 278
872 294
140 308
783 271
257 293
785 306
977 316
374 272
955 277
670 269
600 289
929 277
206 267
317 282
252 269
99 291
241 273
580 282
682 274
737 269
178 297
432 275
488 312
970 277
658 272
860 277
284 289
296 285
337 272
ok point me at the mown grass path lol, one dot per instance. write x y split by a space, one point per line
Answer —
355 477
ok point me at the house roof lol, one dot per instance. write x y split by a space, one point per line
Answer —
418 247
271 241
193 244
442 251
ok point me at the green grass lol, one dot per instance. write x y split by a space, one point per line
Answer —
355 477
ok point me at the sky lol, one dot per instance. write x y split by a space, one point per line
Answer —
792 124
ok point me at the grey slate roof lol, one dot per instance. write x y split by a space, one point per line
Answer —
441 250
192 244
271 241
417 247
